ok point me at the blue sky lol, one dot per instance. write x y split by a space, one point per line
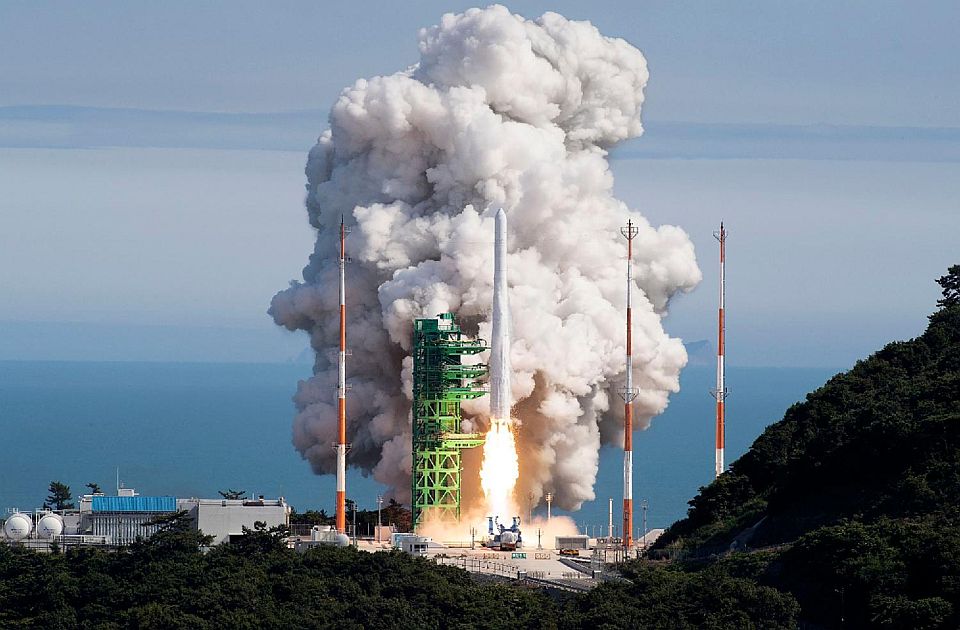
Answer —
151 164
860 62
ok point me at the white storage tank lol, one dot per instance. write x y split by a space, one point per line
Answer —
327 534
18 526
50 525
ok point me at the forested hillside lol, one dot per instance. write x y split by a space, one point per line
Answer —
854 494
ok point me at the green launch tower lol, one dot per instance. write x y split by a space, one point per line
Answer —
441 381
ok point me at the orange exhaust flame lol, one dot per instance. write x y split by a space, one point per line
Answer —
500 469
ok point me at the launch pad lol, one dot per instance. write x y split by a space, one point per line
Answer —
441 381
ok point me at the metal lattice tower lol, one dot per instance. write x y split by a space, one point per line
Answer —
441 381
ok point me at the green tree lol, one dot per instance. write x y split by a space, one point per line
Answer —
262 540
175 534
950 285
60 497
395 514
94 488
657 597
311 517
233 495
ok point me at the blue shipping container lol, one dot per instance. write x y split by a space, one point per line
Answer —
134 504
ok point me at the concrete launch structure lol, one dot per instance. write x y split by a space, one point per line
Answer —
720 393
628 393
341 445
500 392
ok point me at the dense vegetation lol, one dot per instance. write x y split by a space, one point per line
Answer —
668 597
855 494
256 583
166 582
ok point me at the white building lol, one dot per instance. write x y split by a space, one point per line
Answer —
122 519
224 519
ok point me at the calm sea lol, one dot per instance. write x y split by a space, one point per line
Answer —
191 429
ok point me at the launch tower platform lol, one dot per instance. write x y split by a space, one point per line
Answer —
441 381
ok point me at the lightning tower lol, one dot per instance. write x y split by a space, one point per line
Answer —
720 393
629 392
341 445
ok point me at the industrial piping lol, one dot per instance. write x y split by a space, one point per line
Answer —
720 393
341 446
628 394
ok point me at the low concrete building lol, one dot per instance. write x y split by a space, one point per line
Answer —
224 519
578 542
122 519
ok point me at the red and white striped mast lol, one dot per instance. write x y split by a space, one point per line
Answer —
720 393
628 393
341 446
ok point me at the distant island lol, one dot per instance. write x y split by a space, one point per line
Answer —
701 353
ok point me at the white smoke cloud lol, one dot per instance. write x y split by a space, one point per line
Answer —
500 111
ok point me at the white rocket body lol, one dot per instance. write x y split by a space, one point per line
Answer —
500 392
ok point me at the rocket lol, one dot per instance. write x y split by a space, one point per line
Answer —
500 392
500 469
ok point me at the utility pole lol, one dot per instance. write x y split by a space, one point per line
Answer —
354 523
610 523
643 506
379 522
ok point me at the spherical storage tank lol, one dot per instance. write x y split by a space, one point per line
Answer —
18 526
50 526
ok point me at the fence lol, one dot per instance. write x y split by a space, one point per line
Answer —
575 581
480 565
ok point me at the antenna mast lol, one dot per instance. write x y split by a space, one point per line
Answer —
720 393
629 392
341 445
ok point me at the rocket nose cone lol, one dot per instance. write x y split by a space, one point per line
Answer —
501 214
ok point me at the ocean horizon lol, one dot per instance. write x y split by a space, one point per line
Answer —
191 429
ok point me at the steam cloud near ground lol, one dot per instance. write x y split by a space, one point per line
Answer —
499 111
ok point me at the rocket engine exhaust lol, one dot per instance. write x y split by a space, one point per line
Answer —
497 111
500 469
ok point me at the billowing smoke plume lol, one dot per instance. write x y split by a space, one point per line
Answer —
500 111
